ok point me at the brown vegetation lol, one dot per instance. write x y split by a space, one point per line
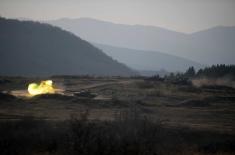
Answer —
127 116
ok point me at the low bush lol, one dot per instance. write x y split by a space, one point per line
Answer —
128 134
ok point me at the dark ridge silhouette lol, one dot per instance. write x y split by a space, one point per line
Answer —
31 48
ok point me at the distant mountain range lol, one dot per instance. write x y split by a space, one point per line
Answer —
148 60
212 46
33 49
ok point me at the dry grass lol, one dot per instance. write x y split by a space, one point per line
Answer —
201 120
129 133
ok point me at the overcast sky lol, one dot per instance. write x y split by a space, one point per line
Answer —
180 15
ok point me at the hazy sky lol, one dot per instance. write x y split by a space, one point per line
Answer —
179 15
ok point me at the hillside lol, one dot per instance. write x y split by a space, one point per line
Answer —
212 46
148 60
30 48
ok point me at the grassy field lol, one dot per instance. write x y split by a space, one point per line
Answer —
117 116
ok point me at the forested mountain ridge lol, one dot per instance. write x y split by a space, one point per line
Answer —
32 48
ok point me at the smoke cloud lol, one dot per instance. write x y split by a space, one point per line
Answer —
226 81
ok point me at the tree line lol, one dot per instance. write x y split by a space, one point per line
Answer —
214 71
